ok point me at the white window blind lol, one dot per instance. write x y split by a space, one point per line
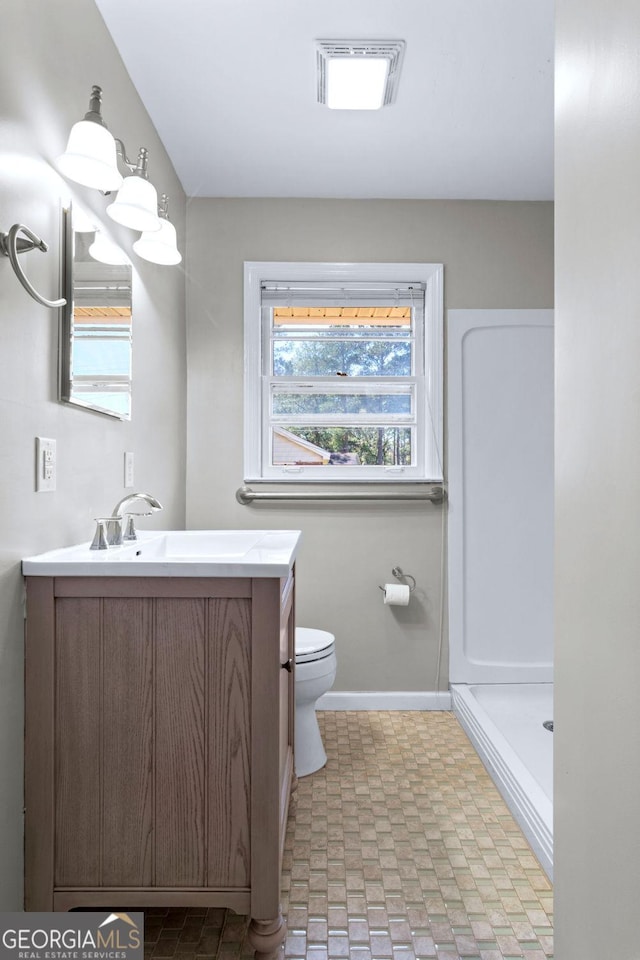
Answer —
344 294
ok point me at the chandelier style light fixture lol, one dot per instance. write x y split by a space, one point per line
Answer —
91 159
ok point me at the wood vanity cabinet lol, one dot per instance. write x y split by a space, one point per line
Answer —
159 744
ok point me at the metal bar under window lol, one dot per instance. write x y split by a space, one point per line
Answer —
434 492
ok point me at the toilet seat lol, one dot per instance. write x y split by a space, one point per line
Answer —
313 644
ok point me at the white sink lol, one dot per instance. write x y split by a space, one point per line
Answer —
176 553
189 544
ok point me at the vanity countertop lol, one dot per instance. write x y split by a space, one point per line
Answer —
176 553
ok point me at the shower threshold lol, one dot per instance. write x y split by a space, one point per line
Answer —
504 723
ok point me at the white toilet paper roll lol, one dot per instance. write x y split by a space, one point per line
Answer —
396 594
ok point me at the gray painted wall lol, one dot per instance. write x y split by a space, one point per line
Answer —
597 716
494 254
50 55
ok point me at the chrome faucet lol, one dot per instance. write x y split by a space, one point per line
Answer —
115 532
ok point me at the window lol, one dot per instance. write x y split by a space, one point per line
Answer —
343 372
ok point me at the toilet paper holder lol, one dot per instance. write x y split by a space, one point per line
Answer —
399 575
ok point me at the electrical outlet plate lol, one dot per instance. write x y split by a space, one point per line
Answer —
45 464
128 469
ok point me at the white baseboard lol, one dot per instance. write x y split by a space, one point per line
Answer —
385 700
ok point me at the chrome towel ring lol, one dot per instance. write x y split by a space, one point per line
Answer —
11 245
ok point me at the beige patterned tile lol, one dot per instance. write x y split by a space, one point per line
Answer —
400 849
338 917
424 946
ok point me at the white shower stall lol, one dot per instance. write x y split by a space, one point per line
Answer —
500 469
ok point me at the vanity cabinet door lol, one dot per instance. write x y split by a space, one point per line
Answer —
152 742
145 711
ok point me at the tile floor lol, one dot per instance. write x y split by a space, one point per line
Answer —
400 849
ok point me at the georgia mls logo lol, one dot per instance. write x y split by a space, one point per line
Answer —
71 936
135 933
113 938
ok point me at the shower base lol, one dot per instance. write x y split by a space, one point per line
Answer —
504 721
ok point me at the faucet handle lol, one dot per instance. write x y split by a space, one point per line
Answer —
130 529
114 530
130 532
99 541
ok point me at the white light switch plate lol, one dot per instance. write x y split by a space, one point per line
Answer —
45 464
128 469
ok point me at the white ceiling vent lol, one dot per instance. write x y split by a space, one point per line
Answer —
358 74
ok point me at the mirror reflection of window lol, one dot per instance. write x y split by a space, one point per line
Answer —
101 333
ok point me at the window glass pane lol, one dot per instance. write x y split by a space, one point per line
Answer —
341 403
362 358
343 446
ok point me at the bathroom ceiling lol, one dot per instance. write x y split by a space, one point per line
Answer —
231 88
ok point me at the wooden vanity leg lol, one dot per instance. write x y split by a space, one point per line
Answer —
267 936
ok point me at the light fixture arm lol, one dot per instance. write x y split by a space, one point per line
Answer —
141 168
138 169
163 207
94 113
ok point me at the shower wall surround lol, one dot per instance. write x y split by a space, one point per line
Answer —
67 48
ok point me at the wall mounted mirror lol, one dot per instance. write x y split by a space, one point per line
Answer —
95 327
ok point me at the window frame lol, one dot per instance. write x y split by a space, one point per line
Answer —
429 391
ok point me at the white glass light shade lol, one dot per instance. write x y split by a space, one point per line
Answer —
136 205
82 221
106 251
356 83
90 157
159 246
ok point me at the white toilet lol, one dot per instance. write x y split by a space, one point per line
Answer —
315 672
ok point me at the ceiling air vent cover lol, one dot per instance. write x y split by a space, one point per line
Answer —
379 61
